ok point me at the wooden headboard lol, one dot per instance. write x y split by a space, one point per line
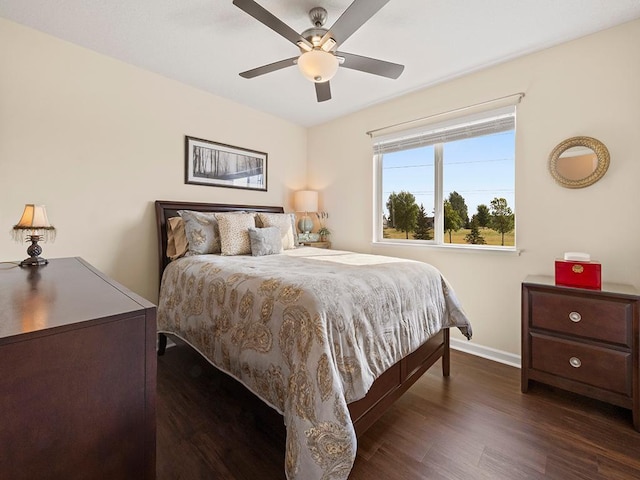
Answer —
166 210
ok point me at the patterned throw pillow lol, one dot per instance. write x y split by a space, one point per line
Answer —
202 232
265 241
234 232
286 222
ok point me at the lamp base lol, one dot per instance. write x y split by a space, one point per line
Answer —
34 250
305 224
33 262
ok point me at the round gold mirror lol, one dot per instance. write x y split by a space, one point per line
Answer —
579 162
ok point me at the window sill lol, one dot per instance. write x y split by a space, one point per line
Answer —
449 247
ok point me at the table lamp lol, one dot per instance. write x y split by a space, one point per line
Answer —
35 224
305 201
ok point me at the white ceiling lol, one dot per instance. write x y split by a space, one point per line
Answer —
206 43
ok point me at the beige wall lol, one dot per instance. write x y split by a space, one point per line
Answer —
97 141
561 102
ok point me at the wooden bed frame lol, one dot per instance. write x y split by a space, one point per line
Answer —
387 388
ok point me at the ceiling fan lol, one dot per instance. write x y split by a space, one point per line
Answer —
319 56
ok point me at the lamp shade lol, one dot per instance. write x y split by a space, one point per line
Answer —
318 65
34 217
306 201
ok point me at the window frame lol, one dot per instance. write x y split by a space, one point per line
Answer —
438 240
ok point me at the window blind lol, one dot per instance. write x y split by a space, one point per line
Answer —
485 123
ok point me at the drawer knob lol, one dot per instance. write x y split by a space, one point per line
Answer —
575 362
575 317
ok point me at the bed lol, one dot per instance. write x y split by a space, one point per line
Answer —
328 338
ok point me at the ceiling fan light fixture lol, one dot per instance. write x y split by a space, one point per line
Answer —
328 45
318 66
304 46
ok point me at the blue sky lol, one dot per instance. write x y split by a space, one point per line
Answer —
479 169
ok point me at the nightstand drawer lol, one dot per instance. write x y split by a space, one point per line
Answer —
596 318
597 366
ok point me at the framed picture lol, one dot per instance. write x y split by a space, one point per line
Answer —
220 165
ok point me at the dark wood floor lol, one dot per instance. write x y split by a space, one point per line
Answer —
474 425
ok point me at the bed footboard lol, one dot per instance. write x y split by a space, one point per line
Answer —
396 380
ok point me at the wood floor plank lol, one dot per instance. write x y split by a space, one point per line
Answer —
572 464
452 461
498 463
391 463
614 470
474 425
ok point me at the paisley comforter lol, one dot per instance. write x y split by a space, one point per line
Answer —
308 331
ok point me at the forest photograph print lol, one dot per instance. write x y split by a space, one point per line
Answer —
220 165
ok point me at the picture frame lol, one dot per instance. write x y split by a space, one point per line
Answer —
221 165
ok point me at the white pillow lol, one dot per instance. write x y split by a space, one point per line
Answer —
234 232
286 222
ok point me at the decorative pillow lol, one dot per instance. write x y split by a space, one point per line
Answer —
234 232
286 222
202 232
177 244
265 241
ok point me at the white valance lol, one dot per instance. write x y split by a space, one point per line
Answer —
484 118
487 123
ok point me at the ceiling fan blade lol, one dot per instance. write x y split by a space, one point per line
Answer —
352 19
274 23
371 65
271 67
323 91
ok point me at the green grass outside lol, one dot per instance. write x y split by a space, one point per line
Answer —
490 236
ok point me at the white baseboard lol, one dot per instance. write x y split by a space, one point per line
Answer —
486 352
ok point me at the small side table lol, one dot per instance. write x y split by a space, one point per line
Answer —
584 341
326 245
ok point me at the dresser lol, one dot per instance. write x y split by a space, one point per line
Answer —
584 341
77 375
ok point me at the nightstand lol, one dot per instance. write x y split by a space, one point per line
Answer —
317 244
583 341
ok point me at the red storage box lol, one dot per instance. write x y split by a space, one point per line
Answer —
579 274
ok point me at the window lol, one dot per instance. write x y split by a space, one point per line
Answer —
448 183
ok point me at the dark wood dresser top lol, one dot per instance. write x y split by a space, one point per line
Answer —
607 287
35 300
